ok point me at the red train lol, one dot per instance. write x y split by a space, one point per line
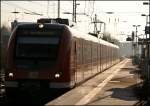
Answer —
55 56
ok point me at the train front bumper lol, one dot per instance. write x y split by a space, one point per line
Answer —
11 84
16 84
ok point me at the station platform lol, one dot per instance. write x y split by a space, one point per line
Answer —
112 87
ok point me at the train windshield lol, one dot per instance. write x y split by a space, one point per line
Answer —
37 49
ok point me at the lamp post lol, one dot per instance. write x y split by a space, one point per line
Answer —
147 45
74 11
96 21
147 21
135 45
147 58
146 18
114 26
136 31
58 12
109 13
15 12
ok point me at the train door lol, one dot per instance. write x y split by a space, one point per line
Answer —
104 57
109 53
98 60
82 58
75 61
87 59
100 57
107 57
79 72
110 56
94 58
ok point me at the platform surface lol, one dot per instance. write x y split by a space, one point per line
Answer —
112 87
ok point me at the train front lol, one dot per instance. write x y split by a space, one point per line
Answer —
36 57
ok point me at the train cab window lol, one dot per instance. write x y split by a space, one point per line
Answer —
36 49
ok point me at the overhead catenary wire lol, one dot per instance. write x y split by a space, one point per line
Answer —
26 10
14 5
58 9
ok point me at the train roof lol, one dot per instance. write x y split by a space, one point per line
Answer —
36 25
108 43
91 38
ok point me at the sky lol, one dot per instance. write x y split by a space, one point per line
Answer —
125 14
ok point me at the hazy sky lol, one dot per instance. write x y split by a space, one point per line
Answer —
126 13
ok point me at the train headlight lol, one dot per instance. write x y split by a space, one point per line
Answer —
2 90
10 74
57 75
41 25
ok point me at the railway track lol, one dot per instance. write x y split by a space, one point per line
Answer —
2 88
2 85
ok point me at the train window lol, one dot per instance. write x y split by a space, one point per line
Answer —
53 20
37 40
36 50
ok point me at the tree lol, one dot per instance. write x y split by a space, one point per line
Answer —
5 30
107 37
4 36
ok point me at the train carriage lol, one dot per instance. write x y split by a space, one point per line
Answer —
55 56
